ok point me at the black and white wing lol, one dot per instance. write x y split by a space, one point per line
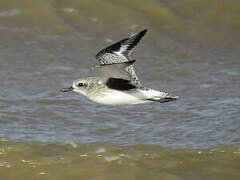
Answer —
120 52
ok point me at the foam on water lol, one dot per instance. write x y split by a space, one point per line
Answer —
57 161
11 12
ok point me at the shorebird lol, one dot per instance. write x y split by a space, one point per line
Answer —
117 82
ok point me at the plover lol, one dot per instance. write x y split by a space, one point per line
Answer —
117 82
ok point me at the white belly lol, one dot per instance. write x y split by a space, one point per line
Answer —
118 98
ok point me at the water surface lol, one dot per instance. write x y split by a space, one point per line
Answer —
191 49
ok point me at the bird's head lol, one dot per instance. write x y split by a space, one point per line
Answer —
79 85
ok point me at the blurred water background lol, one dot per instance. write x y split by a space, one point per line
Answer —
192 49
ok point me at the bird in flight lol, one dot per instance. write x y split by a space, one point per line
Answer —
117 82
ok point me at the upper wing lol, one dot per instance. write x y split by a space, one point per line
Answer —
119 53
114 71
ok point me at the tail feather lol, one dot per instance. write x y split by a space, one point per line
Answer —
162 97
166 99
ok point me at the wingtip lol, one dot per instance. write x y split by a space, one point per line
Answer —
143 32
140 34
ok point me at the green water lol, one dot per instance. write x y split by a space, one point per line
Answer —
106 161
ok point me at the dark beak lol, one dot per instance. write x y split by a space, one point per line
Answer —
67 89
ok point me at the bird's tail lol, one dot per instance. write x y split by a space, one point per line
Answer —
161 97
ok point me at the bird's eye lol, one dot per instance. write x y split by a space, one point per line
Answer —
80 84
